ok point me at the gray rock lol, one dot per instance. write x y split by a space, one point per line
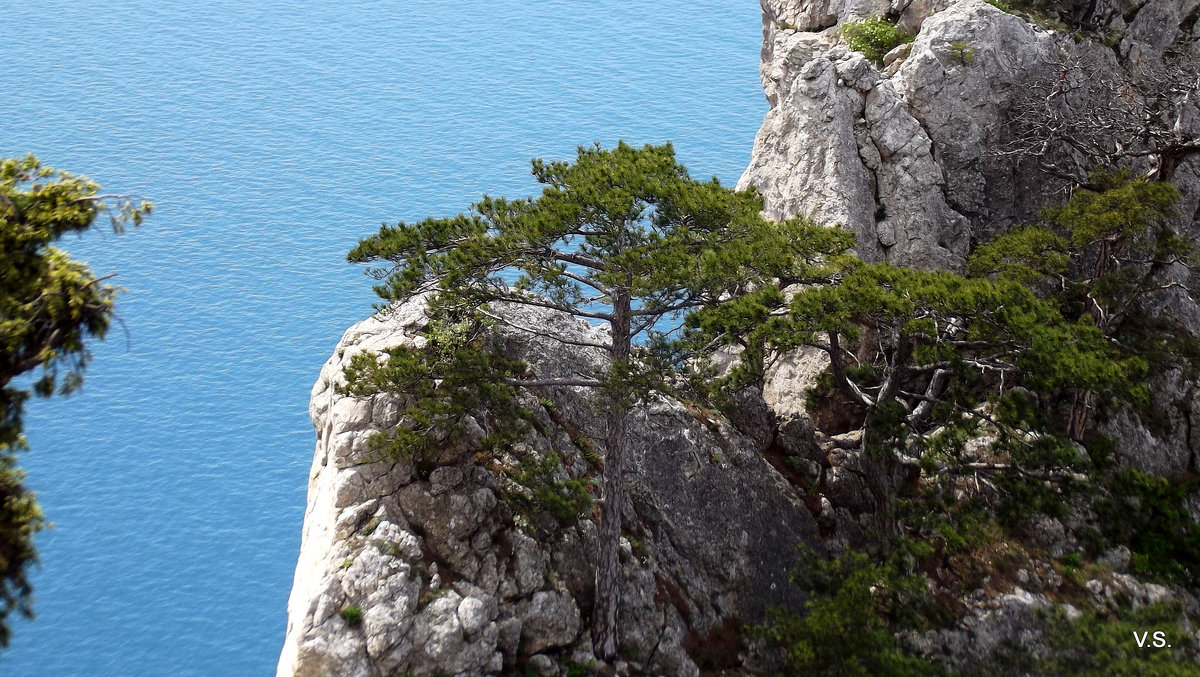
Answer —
1009 620
914 159
447 580
474 614
543 665
1117 559
550 620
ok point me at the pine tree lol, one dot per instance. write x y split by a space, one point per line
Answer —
1049 321
49 305
622 237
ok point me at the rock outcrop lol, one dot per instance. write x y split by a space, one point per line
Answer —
917 156
949 141
443 565
975 126
429 567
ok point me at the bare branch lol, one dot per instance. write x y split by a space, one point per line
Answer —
583 280
554 337
579 260
531 301
925 406
839 373
549 382
664 310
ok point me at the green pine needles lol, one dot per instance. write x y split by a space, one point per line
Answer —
621 237
50 305
860 601
1053 328
456 372
1049 329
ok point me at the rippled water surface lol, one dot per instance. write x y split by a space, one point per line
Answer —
272 135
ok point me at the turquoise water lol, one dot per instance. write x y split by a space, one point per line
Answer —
272 135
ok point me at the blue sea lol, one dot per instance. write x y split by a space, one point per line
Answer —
271 136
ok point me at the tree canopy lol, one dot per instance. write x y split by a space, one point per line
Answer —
992 383
1051 312
50 304
623 237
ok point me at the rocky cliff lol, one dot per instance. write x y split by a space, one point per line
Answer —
985 118
441 567
453 566
926 153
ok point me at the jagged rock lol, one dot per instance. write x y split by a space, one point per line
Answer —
1116 558
1049 533
908 158
848 489
448 582
789 378
905 157
749 412
897 160
543 665
797 437
1171 449
992 626
1125 589
549 620
912 158
1155 26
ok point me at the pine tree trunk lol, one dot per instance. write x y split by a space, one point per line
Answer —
608 565
1081 403
608 562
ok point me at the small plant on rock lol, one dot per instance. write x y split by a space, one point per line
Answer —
874 37
567 500
352 615
962 53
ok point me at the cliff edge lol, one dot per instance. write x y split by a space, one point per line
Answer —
445 566
464 563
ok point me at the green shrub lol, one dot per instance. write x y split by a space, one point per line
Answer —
352 615
1112 40
874 37
1038 12
574 669
848 626
454 374
1106 644
1103 644
566 500
387 548
962 53
1149 515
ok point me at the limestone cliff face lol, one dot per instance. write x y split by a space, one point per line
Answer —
433 568
918 156
984 119
450 578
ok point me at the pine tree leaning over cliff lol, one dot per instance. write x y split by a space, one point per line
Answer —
622 237
49 304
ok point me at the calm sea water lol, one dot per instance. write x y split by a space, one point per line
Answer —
272 135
